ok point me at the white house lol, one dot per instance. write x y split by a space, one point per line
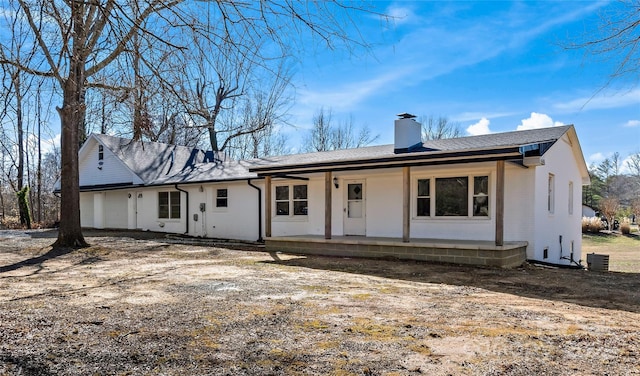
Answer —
496 199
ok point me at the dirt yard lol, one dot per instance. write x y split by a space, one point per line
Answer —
133 304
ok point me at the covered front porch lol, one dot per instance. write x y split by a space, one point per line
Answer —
470 252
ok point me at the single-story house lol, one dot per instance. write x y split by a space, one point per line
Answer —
496 199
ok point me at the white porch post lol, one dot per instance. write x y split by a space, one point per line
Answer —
406 206
267 206
500 203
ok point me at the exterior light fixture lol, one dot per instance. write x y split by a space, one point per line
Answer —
335 182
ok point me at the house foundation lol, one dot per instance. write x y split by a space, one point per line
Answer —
482 253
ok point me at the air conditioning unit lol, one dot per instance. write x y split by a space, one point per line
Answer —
598 263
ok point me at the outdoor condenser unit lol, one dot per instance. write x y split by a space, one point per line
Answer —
598 263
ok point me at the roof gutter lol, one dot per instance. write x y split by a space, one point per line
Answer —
302 170
187 219
406 160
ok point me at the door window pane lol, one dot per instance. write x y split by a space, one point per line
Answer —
355 192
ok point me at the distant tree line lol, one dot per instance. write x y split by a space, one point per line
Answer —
613 192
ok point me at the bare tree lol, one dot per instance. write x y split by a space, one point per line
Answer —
438 128
615 39
635 208
325 136
609 207
319 138
77 40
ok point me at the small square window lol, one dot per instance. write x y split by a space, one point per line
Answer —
221 198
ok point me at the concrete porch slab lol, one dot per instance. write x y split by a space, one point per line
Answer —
470 252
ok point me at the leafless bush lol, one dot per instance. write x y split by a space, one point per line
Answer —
625 226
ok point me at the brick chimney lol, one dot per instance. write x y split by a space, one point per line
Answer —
408 133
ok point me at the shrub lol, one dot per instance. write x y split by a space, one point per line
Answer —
625 226
592 224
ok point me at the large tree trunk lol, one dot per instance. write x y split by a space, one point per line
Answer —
23 210
71 118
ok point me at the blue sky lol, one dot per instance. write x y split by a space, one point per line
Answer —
491 66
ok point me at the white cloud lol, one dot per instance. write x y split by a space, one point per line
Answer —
624 167
468 116
597 157
479 128
601 102
632 123
400 14
536 121
49 144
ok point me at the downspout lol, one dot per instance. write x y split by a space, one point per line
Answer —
260 239
187 219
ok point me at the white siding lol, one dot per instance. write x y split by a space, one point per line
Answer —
116 209
111 171
384 204
86 209
560 162
239 220
519 224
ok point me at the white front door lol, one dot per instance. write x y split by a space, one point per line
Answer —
354 211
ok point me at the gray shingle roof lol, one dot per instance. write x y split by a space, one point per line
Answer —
159 164
152 161
430 148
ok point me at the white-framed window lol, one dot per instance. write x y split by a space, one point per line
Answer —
458 196
169 205
100 152
481 196
423 201
291 200
551 193
570 198
452 197
222 198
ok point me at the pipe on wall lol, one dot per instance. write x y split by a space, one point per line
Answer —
260 239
